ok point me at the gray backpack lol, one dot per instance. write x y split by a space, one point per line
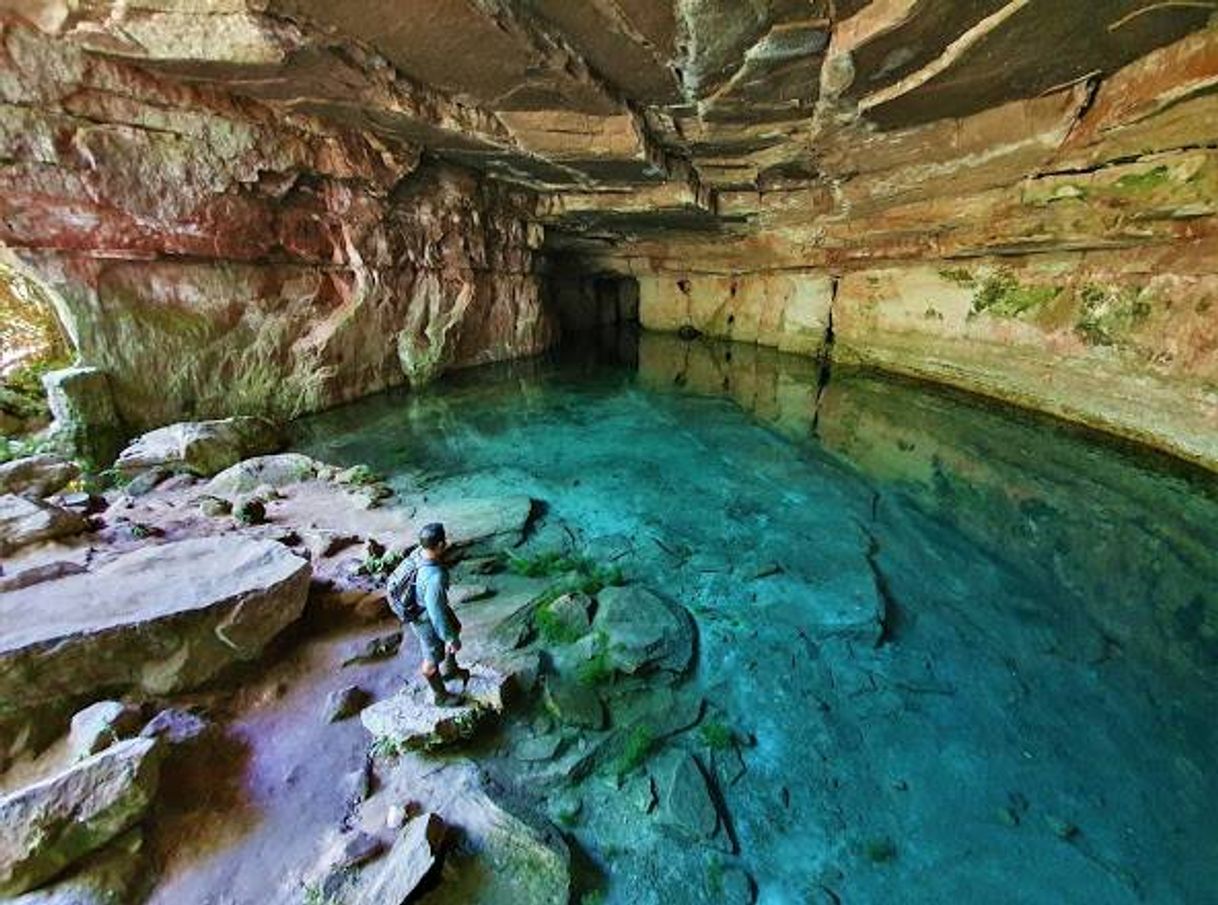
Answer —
402 592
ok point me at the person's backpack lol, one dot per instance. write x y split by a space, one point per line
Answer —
402 592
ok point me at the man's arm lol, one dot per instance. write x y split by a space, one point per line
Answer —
435 601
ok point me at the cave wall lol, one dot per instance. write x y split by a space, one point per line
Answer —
216 256
1059 253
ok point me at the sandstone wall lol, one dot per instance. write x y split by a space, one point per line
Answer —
215 256
1060 253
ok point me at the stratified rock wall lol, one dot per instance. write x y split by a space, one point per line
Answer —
215 256
274 205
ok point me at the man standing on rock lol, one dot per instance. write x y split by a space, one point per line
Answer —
418 594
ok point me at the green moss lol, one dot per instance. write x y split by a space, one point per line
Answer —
580 573
639 745
1143 182
1108 315
880 850
598 668
380 566
384 747
1002 295
714 877
716 735
960 276
553 630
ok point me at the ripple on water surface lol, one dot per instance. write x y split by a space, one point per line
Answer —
949 653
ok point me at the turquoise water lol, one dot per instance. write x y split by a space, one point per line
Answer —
1032 717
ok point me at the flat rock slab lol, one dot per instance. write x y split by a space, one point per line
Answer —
24 522
53 824
409 718
162 619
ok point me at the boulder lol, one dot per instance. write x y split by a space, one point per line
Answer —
162 619
646 633
574 703
24 522
111 875
276 471
409 719
83 408
202 447
379 648
53 824
37 476
393 878
102 724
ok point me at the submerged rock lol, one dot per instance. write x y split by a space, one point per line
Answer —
52 824
202 447
37 476
646 632
687 804
161 619
24 522
574 703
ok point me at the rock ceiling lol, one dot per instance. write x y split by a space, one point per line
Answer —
629 116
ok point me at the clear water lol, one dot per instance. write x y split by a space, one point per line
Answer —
1038 722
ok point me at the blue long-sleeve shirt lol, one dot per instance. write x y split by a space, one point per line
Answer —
431 586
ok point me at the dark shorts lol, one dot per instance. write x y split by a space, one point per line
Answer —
429 641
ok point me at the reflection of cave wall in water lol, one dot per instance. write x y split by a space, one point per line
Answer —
1079 511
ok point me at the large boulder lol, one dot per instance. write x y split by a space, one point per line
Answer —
161 619
24 522
37 476
202 447
645 632
276 471
54 823
82 405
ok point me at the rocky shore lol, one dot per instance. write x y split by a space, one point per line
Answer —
206 632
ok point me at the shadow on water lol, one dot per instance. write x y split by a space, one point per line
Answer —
1032 719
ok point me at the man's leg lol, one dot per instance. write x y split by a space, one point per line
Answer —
433 653
450 669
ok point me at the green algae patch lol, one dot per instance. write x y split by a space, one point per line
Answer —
1108 315
1002 294
1143 182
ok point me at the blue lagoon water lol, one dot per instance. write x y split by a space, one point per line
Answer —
962 654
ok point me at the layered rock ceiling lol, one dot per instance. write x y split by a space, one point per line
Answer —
275 205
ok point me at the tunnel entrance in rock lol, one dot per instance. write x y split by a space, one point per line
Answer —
590 301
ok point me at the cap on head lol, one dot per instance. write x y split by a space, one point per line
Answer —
431 536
